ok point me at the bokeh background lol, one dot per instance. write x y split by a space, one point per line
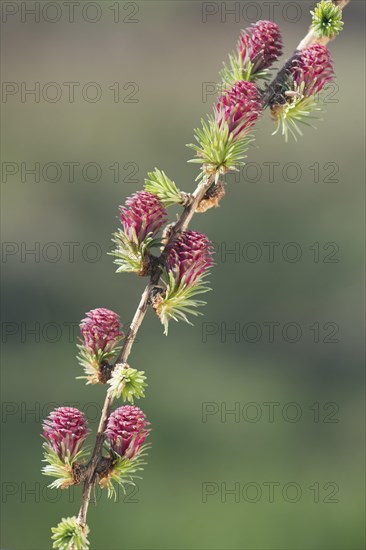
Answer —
165 58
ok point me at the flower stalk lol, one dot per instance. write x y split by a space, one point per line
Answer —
176 274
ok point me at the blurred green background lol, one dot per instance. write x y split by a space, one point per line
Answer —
164 57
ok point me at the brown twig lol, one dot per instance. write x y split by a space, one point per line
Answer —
180 226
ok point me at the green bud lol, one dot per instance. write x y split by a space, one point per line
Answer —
127 383
327 19
70 535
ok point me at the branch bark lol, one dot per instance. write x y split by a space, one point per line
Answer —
180 226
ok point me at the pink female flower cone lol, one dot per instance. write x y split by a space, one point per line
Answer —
127 430
314 67
101 330
261 44
240 107
66 430
190 256
143 214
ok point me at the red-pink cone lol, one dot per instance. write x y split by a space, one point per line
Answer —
190 257
101 330
143 215
261 44
240 107
66 430
127 430
312 66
